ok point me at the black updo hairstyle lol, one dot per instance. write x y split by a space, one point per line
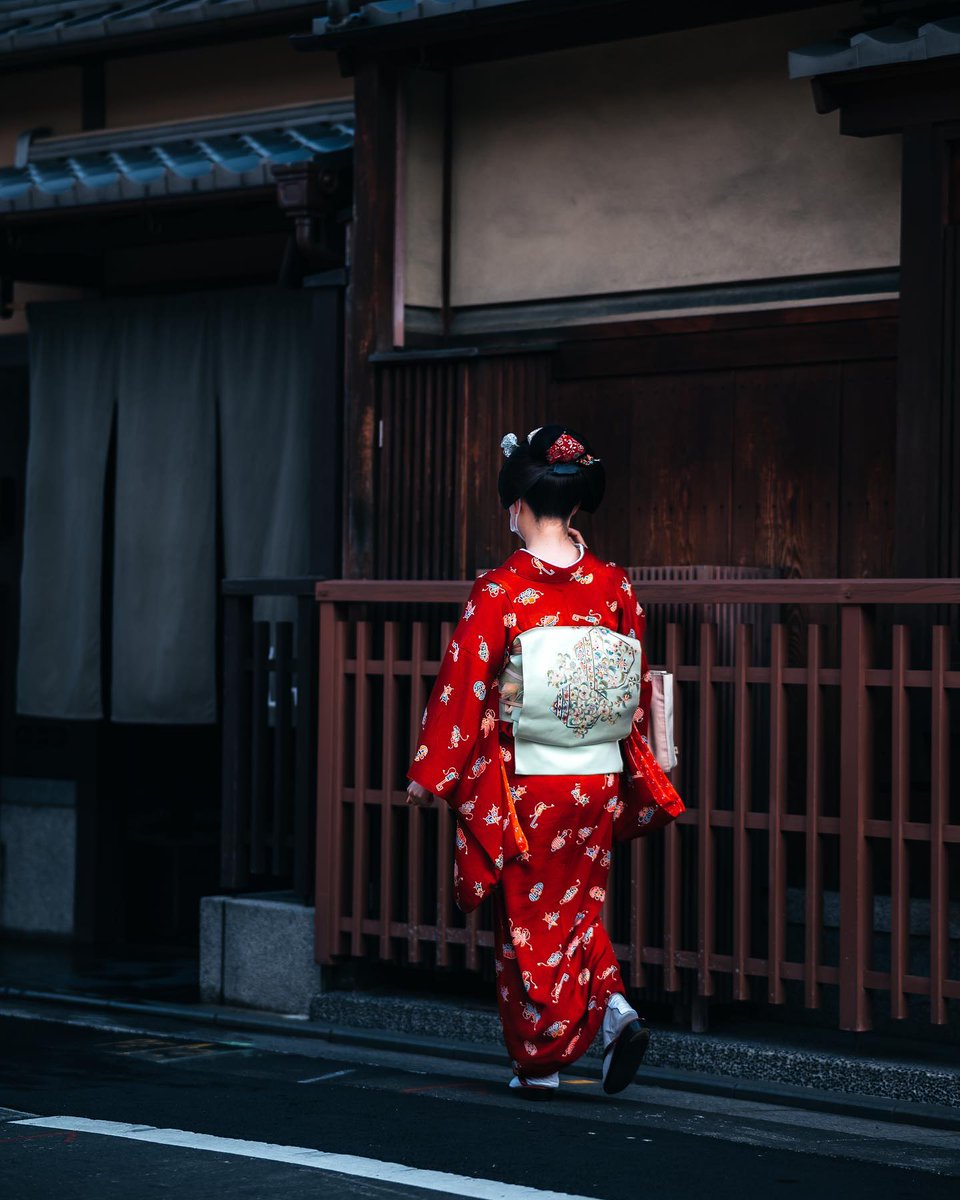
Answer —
553 469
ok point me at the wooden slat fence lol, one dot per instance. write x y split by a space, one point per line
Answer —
817 862
269 729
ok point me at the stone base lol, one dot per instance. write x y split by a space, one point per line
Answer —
257 951
38 836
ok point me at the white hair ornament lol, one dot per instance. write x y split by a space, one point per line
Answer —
508 444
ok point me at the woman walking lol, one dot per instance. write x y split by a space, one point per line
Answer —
535 734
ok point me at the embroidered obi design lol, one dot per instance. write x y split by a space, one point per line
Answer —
596 681
570 694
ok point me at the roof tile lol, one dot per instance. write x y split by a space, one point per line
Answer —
26 25
900 42
219 154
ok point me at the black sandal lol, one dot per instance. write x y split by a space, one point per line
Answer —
627 1051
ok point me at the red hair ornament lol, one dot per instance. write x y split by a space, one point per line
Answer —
565 449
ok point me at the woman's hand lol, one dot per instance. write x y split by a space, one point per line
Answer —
418 795
577 536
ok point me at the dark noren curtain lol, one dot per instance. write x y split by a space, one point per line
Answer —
72 390
167 365
164 585
265 338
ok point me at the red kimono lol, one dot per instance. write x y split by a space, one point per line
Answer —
545 848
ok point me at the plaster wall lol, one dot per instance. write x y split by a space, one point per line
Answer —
678 160
171 86
47 99
204 81
423 93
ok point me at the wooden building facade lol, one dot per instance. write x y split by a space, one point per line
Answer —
174 194
626 217
642 226
639 221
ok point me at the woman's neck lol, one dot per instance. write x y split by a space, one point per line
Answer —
554 544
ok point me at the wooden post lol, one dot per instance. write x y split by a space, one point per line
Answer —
418 694
776 811
813 858
237 716
311 195
362 736
921 101
388 782
899 816
671 846
369 302
706 788
939 818
927 505
282 742
856 902
259 752
329 851
327 426
742 737
305 774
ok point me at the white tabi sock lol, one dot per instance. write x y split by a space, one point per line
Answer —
545 1081
619 1014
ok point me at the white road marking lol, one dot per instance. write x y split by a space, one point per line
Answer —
329 1075
304 1156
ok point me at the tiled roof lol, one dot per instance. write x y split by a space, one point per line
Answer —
903 41
166 160
386 14
27 26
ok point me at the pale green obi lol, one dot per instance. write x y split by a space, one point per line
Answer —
570 693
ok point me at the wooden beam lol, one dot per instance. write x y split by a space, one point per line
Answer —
728 346
400 219
887 99
509 31
855 591
326 431
919 367
927 517
251 26
369 301
921 101
252 257
807 314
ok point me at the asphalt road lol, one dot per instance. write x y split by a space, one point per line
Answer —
88 1112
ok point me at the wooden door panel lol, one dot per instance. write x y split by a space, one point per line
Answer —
602 410
787 465
786 469
868 434
507 395
680 481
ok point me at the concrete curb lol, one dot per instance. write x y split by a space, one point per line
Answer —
736 1059
851 1104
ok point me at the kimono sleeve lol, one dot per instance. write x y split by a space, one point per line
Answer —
649 799
461 706
632 621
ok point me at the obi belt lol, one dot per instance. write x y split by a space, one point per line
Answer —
570 694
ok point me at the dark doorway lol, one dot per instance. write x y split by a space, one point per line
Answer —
146 798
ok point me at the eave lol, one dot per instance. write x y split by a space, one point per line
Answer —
90 28
152 162
447 32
